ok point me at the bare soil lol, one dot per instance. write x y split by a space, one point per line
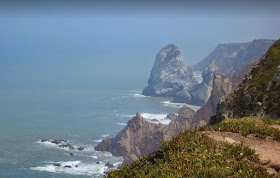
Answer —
267 148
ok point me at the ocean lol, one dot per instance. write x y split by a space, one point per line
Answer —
81 117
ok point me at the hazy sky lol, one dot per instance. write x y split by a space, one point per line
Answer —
113 44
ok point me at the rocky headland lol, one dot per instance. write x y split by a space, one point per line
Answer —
258 94
169 74
233 57
141 137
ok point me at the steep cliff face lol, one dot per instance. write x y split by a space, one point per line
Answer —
201 92
258 94
169 75
232 58
222 86
141 137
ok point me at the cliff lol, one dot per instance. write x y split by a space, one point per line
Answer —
259 93
141 137
222 86
169 75
201 92
233 57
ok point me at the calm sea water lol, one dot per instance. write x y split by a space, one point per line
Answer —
83 118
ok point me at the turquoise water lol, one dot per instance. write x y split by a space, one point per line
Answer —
83 118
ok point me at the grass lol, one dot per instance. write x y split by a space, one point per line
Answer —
257 86
270 120
193 154
247 126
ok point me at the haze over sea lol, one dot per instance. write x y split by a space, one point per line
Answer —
69 70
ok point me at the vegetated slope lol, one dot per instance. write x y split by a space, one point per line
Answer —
194 154
258 93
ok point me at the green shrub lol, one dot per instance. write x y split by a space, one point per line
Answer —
193 154
246 126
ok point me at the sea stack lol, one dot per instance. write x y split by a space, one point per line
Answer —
169 75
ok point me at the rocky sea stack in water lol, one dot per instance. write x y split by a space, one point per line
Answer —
169 74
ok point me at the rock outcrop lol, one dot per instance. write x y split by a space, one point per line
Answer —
201 92
141 137
169 75
233 57
258 94
222 86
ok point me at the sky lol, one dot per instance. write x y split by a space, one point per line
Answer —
113 44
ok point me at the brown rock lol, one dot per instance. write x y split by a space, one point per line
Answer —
109 165
68 145
81 148
57 141
275 166
140 137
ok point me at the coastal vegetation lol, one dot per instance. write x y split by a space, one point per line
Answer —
193 154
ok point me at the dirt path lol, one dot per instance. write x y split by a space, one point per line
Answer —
267 149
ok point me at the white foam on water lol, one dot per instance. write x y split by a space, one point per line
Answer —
179 105
46 143
82 169
156 118
49 144
52 145
138 95
125 115
122 124
97 141
105 135
91 168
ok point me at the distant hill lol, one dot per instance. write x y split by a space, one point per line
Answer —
233 57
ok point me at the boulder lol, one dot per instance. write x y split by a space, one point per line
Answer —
109 165
57 164
57 141
45 140
68 145
81 148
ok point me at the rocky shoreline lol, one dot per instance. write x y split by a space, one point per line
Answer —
169 77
